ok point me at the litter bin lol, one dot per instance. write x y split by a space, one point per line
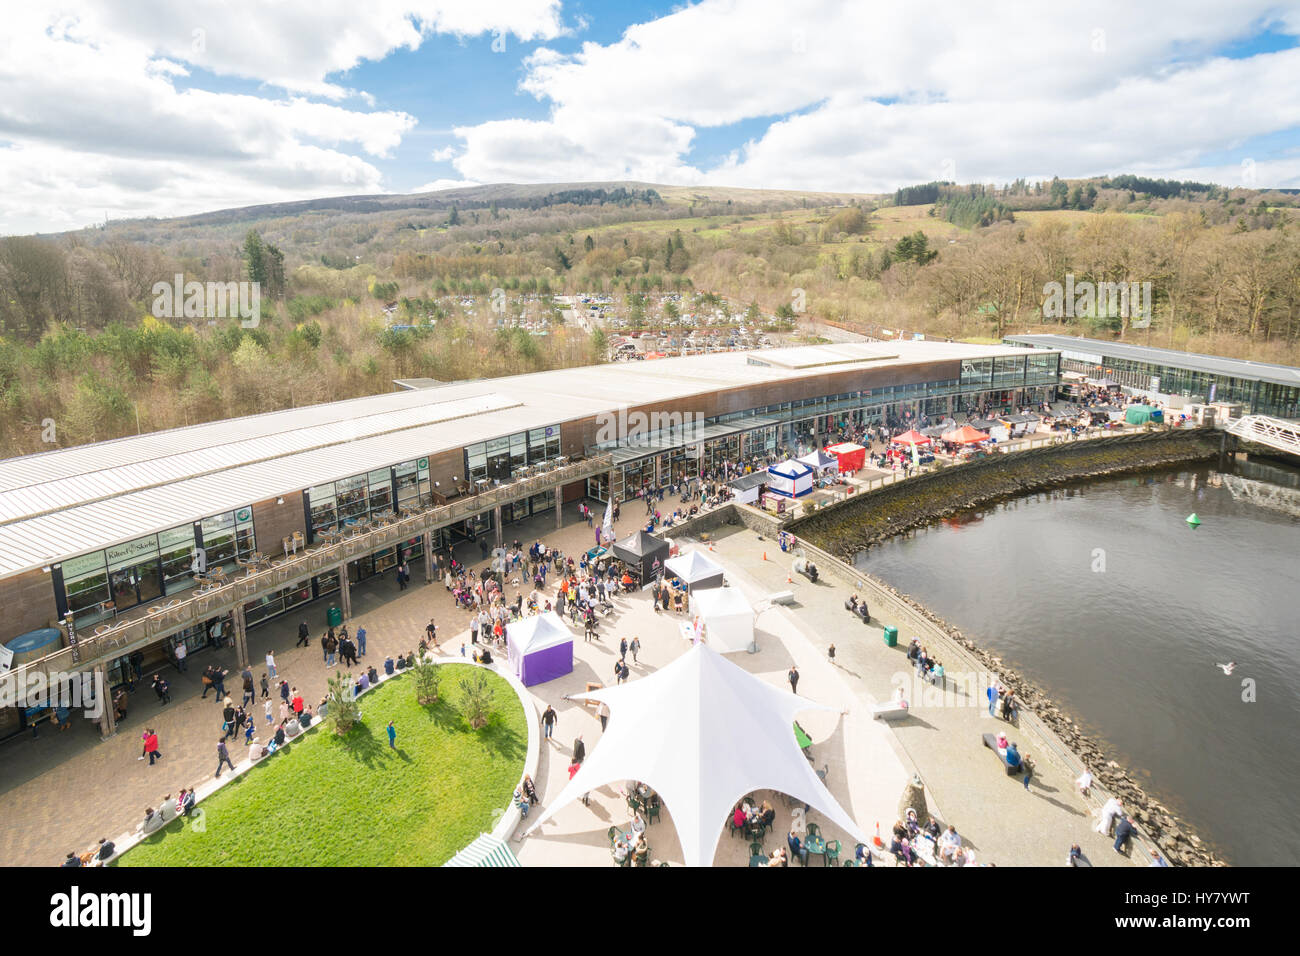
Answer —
334 617
891 637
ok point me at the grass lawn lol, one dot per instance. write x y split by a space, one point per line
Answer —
351 801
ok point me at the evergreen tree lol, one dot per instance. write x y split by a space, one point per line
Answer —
255 257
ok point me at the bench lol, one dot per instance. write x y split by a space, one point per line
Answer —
991 742
890 710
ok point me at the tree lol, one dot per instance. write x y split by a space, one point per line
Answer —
255 258
476 700
453 217
1059 193
343 709
428 678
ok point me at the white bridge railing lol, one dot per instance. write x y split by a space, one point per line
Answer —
1274 432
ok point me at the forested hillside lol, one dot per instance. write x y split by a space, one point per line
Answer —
362 290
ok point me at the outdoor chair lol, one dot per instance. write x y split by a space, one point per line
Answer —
756 849
731 825
813 830
652 811
832 852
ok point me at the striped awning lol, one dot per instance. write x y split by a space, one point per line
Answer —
487 850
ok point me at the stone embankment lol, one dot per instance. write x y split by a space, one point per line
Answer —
1155 820
856 524
860 521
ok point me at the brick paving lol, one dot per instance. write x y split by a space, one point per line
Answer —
62 791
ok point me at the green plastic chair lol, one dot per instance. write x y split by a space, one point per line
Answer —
652 812
756 849
813 830
849 863
832 852
755 861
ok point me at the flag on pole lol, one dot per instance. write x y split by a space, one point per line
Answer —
607 526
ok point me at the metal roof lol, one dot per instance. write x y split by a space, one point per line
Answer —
62 503
1213 364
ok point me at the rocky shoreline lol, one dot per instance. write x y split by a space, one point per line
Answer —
854 525
955 490
1179 844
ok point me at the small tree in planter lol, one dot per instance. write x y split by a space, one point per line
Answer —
428 678
343 710
477 700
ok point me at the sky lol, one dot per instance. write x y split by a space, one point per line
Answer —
113 110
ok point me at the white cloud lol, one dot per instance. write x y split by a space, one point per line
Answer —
92 121
883 95
442 155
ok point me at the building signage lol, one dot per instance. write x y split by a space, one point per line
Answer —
132 550
243 514
6 658
87 563
424 463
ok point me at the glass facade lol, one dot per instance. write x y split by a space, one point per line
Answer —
98 585
349 500
501 457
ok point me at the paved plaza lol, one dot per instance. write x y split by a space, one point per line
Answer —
62 791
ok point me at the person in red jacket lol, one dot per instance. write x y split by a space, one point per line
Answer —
297 704
150 746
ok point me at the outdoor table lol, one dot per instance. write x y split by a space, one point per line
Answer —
924 848
815 846
757 860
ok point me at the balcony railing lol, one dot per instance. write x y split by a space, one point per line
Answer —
131 633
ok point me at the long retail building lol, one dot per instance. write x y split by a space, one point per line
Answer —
100 544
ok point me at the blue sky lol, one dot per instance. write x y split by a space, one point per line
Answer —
158 108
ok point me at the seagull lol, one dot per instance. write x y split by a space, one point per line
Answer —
1226 668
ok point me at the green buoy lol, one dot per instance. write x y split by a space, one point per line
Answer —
1193 520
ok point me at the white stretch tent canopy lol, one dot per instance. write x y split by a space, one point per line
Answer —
819 461
789 478
728 619
539 648
696 569
678 730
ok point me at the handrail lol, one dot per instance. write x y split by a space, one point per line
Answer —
128 635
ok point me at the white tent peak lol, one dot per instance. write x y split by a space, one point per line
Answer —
703 732
693 566
539 631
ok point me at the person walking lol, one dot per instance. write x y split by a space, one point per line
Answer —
182 653
392 736
249 695
228 720
830 653
793 678
622 649
604 716
270 715
1029 769
223 757
635 648
431 629
161 688
266 687
151 746
361 640
284 691
548 722
206 679
304 635
270 664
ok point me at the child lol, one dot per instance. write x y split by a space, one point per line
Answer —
248 732
269 718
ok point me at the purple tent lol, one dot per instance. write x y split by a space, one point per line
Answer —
539 648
